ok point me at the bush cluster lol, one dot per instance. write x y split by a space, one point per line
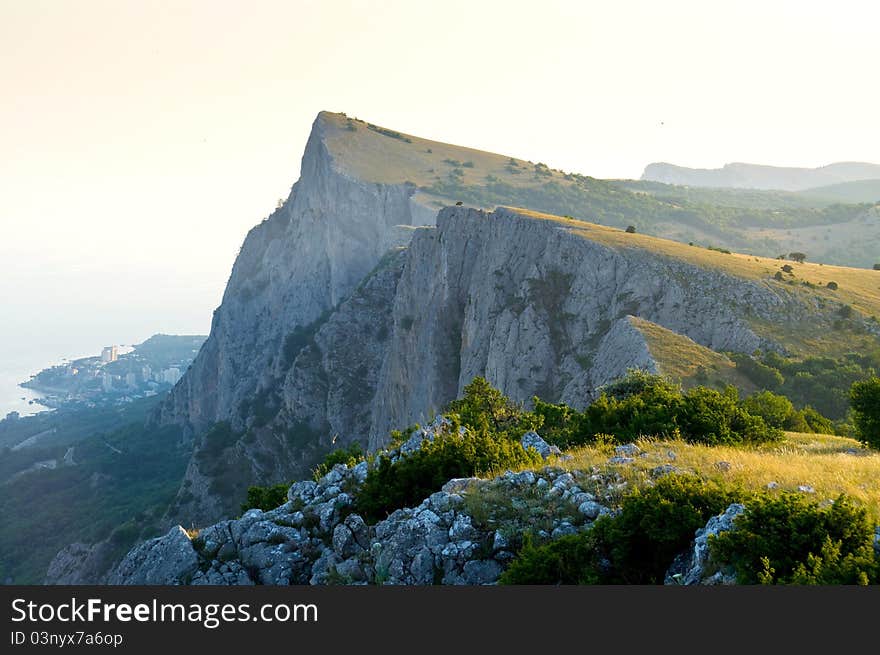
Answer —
484 436
790 539
642 404
865 398
350 456
410 479
822 383
635 547
785 539
779 412
265 498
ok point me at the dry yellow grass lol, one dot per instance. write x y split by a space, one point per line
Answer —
830 465
682 358
378 158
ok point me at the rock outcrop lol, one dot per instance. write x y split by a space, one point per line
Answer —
168 560
81 563
690 568
300 262
452 537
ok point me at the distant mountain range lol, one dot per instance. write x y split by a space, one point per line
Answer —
756 176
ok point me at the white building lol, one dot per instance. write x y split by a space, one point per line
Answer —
171 375
107 382
110 354
131 380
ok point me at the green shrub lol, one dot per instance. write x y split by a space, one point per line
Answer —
816 422
776 410
647 413
865 399
655 524
764 376
641 404
792 539
350 456
636 546
412 478
483 407
265 498
568 560
637 382
820 382
560 424
713 417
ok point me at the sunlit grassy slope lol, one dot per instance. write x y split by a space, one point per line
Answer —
827 464
821 466
682 359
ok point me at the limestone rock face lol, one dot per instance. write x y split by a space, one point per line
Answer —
168 560
533 305
539 309
301 261
80 564
689 568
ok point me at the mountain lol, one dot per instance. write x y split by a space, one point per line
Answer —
347 315
538 304
755 176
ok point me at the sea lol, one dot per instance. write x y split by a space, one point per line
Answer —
14 398
21 361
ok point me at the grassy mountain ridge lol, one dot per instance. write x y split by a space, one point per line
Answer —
444 173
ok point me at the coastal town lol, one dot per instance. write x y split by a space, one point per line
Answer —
119 375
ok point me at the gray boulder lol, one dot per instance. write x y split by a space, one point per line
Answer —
689 567
533 440
167 560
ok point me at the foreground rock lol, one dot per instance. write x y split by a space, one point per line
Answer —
689 568
464 534
168 560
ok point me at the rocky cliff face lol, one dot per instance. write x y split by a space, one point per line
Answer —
532 303
302 261
347 314
539 309
316 395
754 176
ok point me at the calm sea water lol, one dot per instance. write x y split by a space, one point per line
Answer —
18 365
16 399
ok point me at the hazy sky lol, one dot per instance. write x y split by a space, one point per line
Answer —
140 140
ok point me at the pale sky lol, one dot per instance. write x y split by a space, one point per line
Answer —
139 141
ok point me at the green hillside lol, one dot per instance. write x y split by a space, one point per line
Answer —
861 191
98 473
